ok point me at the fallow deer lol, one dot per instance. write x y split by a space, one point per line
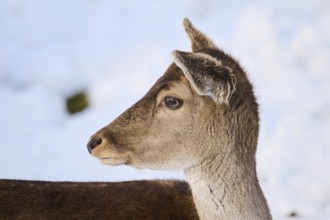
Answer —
202 117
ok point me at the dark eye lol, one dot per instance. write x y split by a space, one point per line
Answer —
173 103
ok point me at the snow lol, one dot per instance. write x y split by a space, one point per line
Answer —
116 50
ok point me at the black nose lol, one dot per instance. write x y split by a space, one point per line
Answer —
93 144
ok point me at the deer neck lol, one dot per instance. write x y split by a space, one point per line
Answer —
223 188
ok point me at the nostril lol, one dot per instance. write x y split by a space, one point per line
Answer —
93 143
98 141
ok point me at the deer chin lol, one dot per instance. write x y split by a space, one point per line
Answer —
112 161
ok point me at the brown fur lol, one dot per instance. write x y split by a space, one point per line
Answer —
139 200
212 136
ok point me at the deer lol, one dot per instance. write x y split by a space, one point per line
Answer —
201 117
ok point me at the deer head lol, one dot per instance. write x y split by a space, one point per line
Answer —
203 105
200 116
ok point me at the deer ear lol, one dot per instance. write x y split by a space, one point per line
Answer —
207 75
198 39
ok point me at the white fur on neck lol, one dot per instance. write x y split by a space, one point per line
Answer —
220 191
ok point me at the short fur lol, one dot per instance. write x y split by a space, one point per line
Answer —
212 137
199 40
138 200
217 81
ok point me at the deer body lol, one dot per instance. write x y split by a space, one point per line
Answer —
139 200
202 117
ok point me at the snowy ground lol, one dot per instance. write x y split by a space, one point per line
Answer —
117 49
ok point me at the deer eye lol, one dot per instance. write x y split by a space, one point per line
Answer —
173 103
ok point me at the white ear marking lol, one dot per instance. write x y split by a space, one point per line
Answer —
207 75
177 61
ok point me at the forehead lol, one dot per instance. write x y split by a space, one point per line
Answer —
173 79
172 74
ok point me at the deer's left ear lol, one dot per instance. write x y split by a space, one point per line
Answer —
198 39
207 75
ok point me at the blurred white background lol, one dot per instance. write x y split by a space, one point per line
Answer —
116 50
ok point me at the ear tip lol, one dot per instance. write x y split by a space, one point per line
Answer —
178 56
175 54
187 23
178 52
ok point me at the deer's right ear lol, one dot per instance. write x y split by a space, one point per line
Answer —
207 75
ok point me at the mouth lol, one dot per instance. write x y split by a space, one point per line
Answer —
112 161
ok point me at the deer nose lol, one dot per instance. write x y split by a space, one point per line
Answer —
93 144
